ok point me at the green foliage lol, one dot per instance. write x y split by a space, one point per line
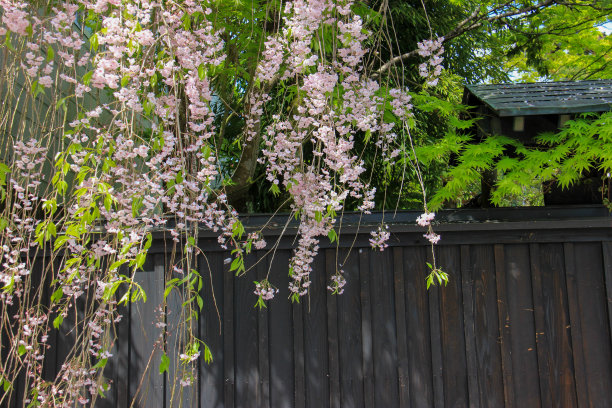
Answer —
560 43
164 363
436 276
583 145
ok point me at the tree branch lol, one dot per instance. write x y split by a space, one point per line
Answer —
473 21
244 172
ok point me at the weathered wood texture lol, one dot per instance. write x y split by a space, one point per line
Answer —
524 322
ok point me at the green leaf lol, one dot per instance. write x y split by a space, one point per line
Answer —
115 265
274 189
60 241
108 202
164 363
140 259
101 390
50 54
57 295
235 264
87 77
167 291
37 89
7 42
57 322
154 80
237 229
207 355
101 363
148 242
6 385
52 229
93 42
201 72
125 81
4 170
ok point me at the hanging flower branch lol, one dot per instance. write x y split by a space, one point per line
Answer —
116 135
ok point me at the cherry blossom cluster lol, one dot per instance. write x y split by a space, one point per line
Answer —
257 239
338 282
120 180
379 238
139 153
265 290
319 188
424 220
431 69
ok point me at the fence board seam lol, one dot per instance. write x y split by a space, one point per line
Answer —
332 333
400 323
366 328
436 342
607 258
504 325
469 331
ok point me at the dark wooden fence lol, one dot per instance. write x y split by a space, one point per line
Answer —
524 321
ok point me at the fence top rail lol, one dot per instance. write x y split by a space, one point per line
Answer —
485 219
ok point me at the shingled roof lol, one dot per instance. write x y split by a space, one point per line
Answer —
542 98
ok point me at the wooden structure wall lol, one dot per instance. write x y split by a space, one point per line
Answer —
524 321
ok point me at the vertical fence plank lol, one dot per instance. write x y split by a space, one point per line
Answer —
400 323
123 353
504 325
281 335
116 369
146 384
452 330
575 322
383 330
349 332
594 324
607 259
298 355
467 287
19 393
211 375
419 342
437 359
487 331
366 327
229 366
542 333
263 393
316 361
553 335
176 343
332 335
522 325
245 335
